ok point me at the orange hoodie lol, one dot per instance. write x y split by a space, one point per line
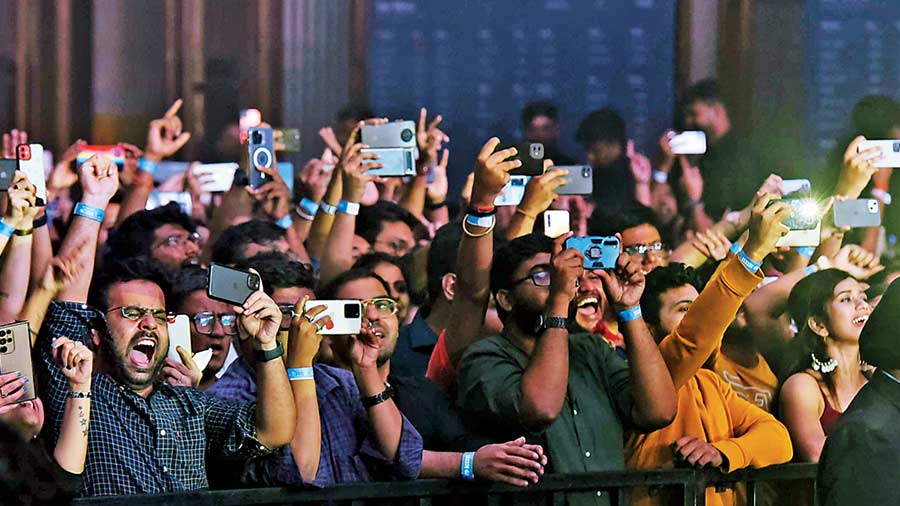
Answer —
707 406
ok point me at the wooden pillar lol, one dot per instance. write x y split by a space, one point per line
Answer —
193 64
62 113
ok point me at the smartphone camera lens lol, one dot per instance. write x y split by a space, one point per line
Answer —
593 252
896 147
537 150
406 135
3 349
586 172
351 311
253 282
256 137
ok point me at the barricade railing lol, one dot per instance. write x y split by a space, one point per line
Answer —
553 487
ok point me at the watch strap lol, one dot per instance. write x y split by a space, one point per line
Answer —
378 398
268 355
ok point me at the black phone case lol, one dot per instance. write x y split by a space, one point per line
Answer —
531 154
229 285
15 354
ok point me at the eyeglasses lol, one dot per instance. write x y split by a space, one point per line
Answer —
180 240
384 306
205 320
539 278
398 247
135 313
643 249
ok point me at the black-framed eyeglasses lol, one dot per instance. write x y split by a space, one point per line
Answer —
135 313
643 249
539 278
204 321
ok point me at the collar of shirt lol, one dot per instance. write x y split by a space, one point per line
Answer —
420 333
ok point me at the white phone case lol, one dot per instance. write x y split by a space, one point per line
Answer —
346 316
179 335
798 238
34 170
690 142
513 192
556 223
215 177
890 149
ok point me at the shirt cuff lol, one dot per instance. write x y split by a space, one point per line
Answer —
733 455
738 279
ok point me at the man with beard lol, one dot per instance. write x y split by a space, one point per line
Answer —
146 436
164 234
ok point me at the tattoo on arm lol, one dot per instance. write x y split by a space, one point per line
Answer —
83 421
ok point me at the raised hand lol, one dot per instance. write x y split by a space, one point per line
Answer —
625 284
641 168
354 165
13 139
540 191
275 196
183 373
13 386
691 180
314 179
566 267
857 169
165 136
430 138
853 259
712 243
773 184
99 179
63 175
22 197
766 226
75 361
62 272
513 462
492 173
260 318
304 338
130 173
437 190
330 139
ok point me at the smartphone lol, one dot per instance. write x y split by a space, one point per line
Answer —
179 335
15 354
531 154
513 192
7 171
798 238
857 213
398 162
230 285
806 215
262 154
556 222
795 186
31 162
215 177
689 142
397 134
889 148
581 180
599 252
290 137
346 316
114 153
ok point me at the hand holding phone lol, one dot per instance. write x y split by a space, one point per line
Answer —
689 142
262 154
345 316
15 358
599 252
31 162
531 154
230 285
889 156
857 213
580 180
179 335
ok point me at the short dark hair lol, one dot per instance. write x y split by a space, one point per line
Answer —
355 112
190 279
660 281
372 218
134 236
706 91
538 108
606 221
331 288
229 247
123 270
510 256
603 125
875 115
277 270
878 342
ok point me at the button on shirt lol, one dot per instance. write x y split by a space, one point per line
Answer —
348 454
414 346
137 445
587 435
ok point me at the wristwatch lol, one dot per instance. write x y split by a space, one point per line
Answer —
550 322
267 355
378 398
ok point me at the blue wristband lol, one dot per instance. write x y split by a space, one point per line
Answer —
810 269
806 251
327 208
300 373
309 206
749 264
630 314
735 248
467 467
285 222
147 166
6 230
351 208
90 212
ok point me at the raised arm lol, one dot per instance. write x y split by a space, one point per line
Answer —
75 361
540 193
436 197
476 251
17 256
429 140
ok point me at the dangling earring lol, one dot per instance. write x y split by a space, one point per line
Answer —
823 367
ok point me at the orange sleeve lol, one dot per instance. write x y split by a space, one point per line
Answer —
700 332
760 440
441 369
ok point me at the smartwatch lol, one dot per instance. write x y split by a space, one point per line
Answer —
550 322
266 356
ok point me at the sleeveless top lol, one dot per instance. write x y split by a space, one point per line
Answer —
830 416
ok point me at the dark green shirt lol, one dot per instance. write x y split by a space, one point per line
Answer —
587 436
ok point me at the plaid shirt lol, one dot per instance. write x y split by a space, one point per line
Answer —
349 453
137 445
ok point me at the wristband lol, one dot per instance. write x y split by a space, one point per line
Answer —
630 314
467 466
660 176
806 251
79 395
810 269
302 214
327 208
433 207
89 212
285 222
351 208
749 264
6 230
25 232
309 206
300 373
735 248
40 221
147 166
481 212
481 221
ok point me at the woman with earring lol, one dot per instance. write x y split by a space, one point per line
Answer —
830 309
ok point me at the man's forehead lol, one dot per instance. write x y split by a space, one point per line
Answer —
169 229
139 292
200 301
365 288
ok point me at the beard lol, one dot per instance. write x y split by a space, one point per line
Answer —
122 370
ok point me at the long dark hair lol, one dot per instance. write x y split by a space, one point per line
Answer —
809 299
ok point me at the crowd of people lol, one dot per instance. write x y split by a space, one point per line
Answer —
487 351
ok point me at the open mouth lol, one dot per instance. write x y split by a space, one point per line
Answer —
142 353
376 331
860 321
588 305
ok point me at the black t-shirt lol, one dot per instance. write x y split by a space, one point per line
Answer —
733 169
614 185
